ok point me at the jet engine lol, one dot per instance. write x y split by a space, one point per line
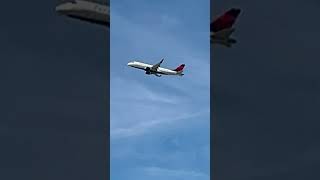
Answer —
148 70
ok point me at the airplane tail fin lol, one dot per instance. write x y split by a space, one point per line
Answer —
225 21
179 69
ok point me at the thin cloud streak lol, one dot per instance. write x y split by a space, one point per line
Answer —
157 171
149 125
136 91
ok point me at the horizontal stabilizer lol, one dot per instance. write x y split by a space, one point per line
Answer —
224 34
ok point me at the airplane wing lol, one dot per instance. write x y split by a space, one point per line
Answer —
156 66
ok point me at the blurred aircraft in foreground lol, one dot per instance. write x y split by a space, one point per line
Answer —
86 10
222 28
156 69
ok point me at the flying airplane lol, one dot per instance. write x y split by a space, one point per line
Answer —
86 10
156 69
222 28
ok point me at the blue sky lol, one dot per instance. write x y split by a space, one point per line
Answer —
160 127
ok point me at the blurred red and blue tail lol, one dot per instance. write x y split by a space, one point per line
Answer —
180 68
225 21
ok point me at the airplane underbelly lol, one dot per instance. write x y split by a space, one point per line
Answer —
166 72
89 16
224 40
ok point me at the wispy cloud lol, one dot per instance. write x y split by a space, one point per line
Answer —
126 90
142 38
175 173
149 125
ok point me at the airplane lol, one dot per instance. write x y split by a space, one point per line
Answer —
222 28
156 69
85 10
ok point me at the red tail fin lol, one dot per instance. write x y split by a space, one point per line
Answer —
225 21
180 68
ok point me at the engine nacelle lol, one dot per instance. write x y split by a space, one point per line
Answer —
148 70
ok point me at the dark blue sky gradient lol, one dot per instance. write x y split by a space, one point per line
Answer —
53 113
266 92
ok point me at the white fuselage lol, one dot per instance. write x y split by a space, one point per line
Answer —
86 10
147 67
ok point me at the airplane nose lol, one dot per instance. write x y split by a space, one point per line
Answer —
60 8
132 63
63 7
